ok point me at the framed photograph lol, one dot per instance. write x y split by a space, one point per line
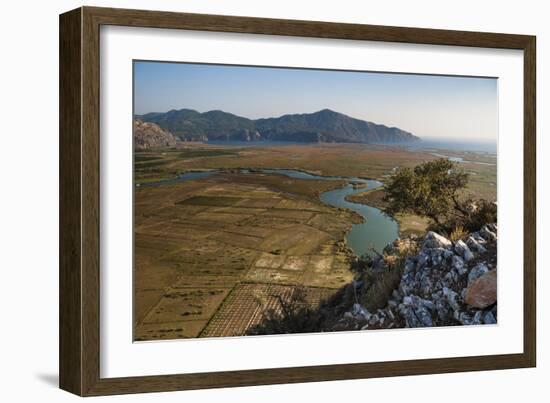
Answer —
250 201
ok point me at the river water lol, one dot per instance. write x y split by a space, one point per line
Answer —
374 233
378 229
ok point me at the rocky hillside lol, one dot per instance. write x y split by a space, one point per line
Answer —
443 283
322 126
417 282
149 135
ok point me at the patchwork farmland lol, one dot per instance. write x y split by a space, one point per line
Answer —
212 254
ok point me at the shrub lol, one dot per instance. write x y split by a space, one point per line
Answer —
478 213
294 315
486 212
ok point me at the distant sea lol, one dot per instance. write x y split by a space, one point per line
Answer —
456 145
428 144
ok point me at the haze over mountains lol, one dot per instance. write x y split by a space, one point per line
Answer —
322 126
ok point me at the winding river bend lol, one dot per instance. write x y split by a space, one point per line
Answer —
374 233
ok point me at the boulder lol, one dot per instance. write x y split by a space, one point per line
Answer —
483 291
476 272
434 240
451 277
417 316
423 259
463 250
360 310
489 318
458 265
464 318
401 246
477 236
437 255
477 320
486 233
475 244
448 254
452 298
373 320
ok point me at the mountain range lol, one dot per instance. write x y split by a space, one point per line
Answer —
322 126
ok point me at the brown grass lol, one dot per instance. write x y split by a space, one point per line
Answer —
379 286
458 233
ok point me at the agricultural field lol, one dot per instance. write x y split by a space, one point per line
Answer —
205 250
211 253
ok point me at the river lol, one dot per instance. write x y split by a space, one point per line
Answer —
374 233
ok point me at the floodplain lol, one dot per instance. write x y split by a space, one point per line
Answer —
213 254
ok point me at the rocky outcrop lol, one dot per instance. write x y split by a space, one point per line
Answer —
149 135
433 240
443 283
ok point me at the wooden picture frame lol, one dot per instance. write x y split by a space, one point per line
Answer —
79 200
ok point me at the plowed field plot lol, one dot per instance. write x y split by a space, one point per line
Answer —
199 244
248 303
210 201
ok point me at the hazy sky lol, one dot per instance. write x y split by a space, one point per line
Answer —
460 108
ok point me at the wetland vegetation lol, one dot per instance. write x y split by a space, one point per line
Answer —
222 232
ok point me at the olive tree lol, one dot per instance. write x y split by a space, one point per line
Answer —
430 189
